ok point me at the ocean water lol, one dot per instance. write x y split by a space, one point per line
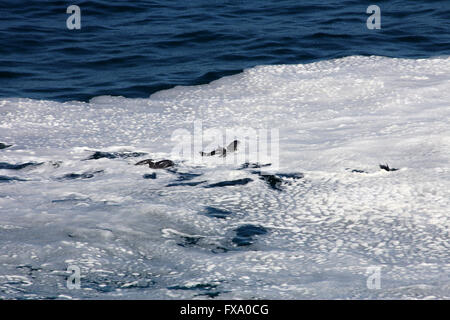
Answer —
323 220
136 48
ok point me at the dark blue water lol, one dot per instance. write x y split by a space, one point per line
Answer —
135 48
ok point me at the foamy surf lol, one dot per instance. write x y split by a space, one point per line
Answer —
232 234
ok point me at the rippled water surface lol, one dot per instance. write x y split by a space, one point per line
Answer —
135 48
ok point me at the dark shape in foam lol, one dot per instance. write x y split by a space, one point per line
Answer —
9 166
238 182
72 200
10 179
56 164
217 213
273 181
245 233
219 249
297 175
200 286
149 176
221 151
248 165
188 184
113 155
182 176
84 175
206 289
387 168
162 164
188 241
209 294
356 170
4 145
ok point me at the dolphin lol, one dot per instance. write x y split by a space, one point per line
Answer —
221 151
162 164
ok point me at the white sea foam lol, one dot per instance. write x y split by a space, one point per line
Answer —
137 238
